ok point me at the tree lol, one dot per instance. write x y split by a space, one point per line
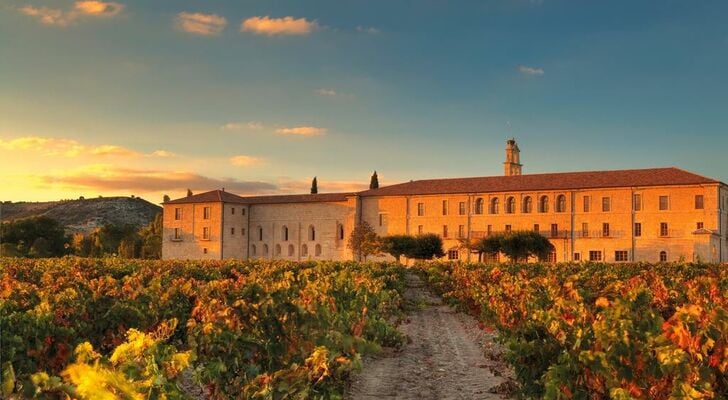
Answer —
151 239
363 241
398 245
374 183
82 245
24 233
40 248
427 247
128 247
189 192
518 246
166 198
314 186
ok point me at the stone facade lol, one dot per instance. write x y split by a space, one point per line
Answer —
613 216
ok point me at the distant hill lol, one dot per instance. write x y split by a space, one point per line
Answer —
87 214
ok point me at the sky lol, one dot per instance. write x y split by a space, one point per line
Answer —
146 98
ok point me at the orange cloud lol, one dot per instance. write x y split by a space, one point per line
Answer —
278 26
63 18
201 24
98 8
48 16
238 126
112 150
70 148
245 161
302 131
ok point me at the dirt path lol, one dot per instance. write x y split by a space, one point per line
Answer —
448 357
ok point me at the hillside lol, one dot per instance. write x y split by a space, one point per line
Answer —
87 214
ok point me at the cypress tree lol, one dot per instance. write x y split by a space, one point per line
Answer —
374 183
314 186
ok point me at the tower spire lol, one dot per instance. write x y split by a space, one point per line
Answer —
512 165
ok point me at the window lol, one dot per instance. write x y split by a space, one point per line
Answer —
253 250
291 250
177 214
577 256
511 205
206 213
664 231
232 231
232 210
204 250
605 229
242 211
205 233
284 233
494 203
317 250
479 203
260 233
489 229
638 229
554 230
312 233
176 234
444 231
420 229
621 255
587 201
584 229
461 231
543 204
606 204
552 257
453 254
304 250
461 208
278 249
664 203
265 249
561 203
699 202
663 256
527 205
595 255
341 232
699 225
536 228
444 207
242 231
382 219
508 228
637 202
420 209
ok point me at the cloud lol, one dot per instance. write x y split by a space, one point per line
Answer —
278 26
45 146
302 131
98 8
532 71
239 126
163 153
63 18
112 150
200 24
245 161
326 92
368 29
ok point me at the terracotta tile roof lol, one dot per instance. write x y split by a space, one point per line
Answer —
551 181
215 196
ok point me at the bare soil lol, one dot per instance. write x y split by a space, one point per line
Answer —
447 357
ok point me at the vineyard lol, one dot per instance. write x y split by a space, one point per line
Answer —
597 331
109 328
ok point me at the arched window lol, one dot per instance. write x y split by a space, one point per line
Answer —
260 232
479 205
511 205
311 233
291 250
527 205
494 202
265 249
341 232
663 256
543 204
317 250
278 249
304 250
253 250
561 203
284 233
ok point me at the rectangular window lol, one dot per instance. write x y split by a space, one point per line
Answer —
461 231
461 208
595 255
637 202
605 230
586 203
177 214
606 204
699 225
664 203
260 233
204 250
242 231
444 231
242 211
382 219
664 231
508 228
420 209
206 213
621 255
489 229
554 230
444 207
176 234
699 202
232 231
584 229
420 229
453 255
638 229
536 228
206 233
233 210
577 256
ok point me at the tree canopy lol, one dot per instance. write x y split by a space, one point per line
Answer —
516 245
363 241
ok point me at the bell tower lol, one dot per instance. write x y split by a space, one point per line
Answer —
512 165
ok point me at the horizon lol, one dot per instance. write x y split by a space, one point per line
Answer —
121 98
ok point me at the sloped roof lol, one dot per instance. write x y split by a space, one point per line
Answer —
212 196
225 197
550 181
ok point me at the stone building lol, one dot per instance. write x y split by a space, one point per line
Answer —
657 214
